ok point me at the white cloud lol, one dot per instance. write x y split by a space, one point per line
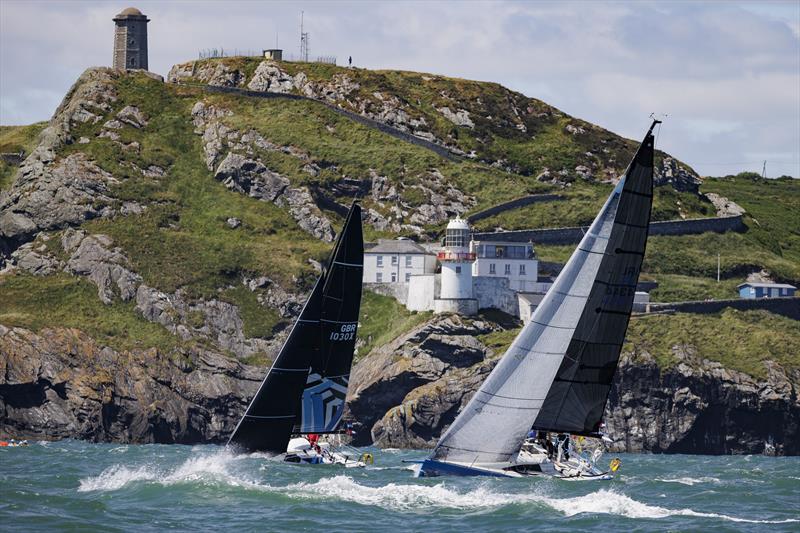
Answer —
728 74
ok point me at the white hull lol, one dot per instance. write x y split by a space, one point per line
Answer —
301 451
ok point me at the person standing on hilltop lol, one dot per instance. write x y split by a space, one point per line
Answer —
350 61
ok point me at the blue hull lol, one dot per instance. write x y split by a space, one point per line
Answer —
431 468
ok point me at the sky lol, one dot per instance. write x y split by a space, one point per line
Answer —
726 73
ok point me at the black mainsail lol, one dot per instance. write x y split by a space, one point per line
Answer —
557 373
305 387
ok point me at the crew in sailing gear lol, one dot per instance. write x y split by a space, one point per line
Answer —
563 442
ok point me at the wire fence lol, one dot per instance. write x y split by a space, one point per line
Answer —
209 53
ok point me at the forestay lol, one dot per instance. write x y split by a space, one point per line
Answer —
574 336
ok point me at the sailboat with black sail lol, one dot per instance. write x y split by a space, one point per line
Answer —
556 375
304 391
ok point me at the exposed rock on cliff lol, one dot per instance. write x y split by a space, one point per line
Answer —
61 384
249 175
52 193
388 388
409 391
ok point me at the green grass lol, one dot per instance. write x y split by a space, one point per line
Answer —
739 340
383 319
182 240
678 288
67 301
14 139
773 218
259 321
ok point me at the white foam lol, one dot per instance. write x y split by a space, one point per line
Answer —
691 480
610 502
116 477
205 469
215 469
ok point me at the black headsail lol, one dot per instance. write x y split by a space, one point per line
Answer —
272 415
577 397
325 391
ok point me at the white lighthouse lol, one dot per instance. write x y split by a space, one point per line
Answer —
456 294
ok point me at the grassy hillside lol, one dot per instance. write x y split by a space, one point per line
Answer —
181 240
14 139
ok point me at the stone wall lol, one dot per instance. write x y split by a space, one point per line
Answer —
788 307
494 292
574 235
398 291
421 291
389 130
514 204
459 306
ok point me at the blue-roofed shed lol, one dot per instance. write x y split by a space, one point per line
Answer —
765 290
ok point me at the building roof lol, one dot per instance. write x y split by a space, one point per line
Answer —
130 11
458 223
397 246
767 284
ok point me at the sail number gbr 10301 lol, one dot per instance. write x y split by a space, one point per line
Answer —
346 332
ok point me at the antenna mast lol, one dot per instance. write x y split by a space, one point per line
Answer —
303 40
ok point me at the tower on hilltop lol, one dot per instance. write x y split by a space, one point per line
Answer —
130 40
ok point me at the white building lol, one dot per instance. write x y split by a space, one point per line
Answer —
456 292
515 261
395 261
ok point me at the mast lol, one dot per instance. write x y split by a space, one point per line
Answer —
307 382
557 373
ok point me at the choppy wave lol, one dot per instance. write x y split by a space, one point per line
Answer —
690 480
216 469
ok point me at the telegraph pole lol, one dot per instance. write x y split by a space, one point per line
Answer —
303 40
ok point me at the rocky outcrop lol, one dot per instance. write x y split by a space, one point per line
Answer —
671 172
243 171
700 407
51 192
60 383
95 257
724 207
408 392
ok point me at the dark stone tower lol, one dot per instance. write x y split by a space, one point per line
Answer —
130 40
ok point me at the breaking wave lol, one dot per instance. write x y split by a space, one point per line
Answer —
691 480
215 469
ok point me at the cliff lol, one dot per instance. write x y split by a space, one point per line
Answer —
161 237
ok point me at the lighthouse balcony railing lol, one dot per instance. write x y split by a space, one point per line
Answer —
455 256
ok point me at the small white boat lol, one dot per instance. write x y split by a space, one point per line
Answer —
301 450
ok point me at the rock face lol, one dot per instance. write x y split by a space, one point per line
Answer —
409 391
243 171
61 384
52 193
701 407
412 388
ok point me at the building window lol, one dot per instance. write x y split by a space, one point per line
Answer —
394 260
379 277
394 277
408 261
508 270
522 270
492 269
132 62
408 277
380 260
458 269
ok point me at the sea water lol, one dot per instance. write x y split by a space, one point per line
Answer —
77 485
